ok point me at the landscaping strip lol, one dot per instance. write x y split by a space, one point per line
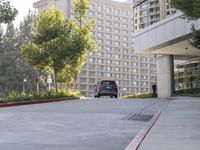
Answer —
143 132
36 101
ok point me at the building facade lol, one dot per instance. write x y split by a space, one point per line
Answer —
115 57
187 75
147 12
170 43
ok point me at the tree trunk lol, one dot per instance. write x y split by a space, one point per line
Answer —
75 78
56 84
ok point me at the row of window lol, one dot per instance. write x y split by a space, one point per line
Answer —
116 59
124 57
112 30
119 83
108 10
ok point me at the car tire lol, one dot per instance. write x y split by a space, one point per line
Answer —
115 96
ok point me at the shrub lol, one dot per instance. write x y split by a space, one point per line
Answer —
188 91
18 97
139 95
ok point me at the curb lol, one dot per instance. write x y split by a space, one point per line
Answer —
143 132
36 102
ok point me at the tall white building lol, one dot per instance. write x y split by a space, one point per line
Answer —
148 12
114 58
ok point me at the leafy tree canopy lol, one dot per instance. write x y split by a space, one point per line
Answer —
7 12
191 9
60 44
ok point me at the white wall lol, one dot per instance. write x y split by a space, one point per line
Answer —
168 29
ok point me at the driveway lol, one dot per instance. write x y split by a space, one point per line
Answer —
89 124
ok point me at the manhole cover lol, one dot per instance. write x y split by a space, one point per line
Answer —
139 117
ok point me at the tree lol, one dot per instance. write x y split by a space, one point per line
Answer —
14 69
9 72
81 38
25 35
191 9
7 12
60 44
49 48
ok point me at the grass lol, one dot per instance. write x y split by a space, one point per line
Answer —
139 95
19 97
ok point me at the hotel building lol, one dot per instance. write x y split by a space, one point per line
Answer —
147 12
115 57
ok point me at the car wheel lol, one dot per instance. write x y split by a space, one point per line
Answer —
115 96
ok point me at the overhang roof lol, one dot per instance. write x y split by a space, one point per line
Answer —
167 37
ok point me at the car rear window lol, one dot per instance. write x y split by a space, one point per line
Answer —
108 83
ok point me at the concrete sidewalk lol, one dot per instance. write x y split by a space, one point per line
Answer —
178 127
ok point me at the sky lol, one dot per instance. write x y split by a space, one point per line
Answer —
23 6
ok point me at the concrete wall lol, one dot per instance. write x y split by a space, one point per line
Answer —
168 29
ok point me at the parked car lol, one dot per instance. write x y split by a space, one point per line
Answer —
106 88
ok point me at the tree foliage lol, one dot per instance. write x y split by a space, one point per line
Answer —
191 9
13 68
7 12
195 38
60 45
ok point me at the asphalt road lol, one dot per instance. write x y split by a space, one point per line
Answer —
89 124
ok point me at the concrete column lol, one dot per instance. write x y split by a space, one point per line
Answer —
165 76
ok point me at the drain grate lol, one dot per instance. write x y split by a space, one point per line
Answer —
139 117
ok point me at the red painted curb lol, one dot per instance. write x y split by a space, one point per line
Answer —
35 102
143 132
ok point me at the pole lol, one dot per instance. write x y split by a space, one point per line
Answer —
49 86
23 91
37 86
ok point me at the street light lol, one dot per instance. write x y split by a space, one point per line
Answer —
24 81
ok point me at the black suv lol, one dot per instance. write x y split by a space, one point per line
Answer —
106 88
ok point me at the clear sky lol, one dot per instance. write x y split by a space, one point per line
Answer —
24 5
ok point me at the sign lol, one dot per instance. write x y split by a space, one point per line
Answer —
49 80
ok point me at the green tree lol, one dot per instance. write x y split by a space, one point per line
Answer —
9 70
82 39
191 9
7 12
60 44
49 48
13 67
25 35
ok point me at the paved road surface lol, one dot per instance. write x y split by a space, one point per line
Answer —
89 124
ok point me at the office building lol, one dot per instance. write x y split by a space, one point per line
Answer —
115 57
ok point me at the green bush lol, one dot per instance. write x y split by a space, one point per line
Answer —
139 95
18 97
188 91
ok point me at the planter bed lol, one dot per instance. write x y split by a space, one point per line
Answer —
10 104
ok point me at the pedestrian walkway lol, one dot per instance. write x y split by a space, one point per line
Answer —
178 127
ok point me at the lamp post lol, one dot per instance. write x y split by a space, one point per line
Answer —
37 83
24 81
124 90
